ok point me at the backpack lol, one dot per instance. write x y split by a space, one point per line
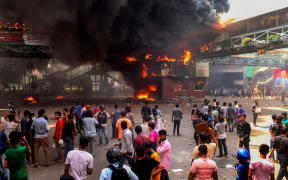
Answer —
102 118
177 114
164 175
118 173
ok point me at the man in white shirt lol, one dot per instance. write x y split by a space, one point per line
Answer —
145 128
79 163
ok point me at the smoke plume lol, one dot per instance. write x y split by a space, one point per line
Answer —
110 30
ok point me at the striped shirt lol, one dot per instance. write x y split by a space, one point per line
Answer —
203 168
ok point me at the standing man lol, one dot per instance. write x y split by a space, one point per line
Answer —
115 116
262 169
204 141
102 117
221 134
203 168
281 145
89 127
164 150
58 134
119 130
230 117
283 94
176 118
255 115
244 132
146 111
40 125
126 145
196 119
79 163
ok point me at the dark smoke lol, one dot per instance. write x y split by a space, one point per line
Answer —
110 30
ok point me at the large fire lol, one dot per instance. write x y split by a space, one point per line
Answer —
145 96
165 58
144 71
30 100
225 20
187 57
152 88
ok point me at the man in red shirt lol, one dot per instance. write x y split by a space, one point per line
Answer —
58 136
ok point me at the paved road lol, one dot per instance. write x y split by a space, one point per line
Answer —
181 146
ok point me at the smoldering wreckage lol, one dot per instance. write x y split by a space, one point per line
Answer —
153 43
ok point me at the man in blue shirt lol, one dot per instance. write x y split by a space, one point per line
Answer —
40 125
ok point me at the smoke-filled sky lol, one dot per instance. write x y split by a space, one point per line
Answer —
242 9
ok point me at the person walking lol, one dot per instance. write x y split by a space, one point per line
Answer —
153 135
158 122
243 132
40 125
255 113
230 117
146 111
283 95
68 135
58 136
79 163
176 118
119 130
115 116
281 146
126 145
221 134
102 117
262 169
89 127
203 168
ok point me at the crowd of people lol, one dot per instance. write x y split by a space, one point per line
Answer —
145 147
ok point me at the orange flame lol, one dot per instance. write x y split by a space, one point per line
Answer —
145 96
148 56
152 88
187 57
60 97
224 21
165 58
144 71
131 59
30 100
205 47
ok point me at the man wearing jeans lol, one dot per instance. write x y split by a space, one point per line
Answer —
221 133
176 118
40 125
102 117
126 145
89 127
281 145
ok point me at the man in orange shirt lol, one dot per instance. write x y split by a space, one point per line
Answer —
119 130
58 136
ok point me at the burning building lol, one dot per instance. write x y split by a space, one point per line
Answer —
170 78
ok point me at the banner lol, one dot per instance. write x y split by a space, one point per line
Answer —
281 78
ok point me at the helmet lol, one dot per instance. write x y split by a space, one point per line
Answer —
102 106
113 155
243 154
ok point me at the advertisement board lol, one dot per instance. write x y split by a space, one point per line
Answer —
281 78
